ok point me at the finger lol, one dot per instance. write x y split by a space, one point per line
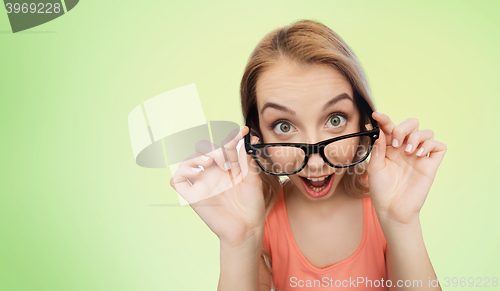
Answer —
386 125
416 138
181 188
187 172
437 153
249 168
402 130
434 148
213 151
229 147
180 184
197 159
377 159
231 141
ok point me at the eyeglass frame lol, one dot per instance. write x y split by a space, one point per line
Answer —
309 149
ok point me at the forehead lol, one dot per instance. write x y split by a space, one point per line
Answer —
288 83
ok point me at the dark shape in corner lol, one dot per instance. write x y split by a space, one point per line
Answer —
35 13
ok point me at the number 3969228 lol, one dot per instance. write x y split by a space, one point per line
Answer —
33 7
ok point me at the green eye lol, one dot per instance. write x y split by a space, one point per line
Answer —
337 120
285 127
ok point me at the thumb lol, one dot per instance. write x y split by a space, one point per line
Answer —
377 159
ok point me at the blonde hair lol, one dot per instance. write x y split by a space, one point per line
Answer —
306 42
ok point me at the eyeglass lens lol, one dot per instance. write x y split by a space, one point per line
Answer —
286 159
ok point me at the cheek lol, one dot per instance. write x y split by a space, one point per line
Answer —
339 173
348 151
343 151
285 159
268 135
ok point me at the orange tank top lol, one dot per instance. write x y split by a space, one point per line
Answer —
365 269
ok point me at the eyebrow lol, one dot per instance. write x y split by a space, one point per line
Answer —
290 111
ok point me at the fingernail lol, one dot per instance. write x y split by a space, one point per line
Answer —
395 143
227 165
420 151
205 158
201 167
380 113
408 148
196 170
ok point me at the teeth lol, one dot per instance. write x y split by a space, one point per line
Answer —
317 189
316 179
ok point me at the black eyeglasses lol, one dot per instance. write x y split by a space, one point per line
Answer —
290 158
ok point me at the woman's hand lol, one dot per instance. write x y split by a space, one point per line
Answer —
229 201
402 168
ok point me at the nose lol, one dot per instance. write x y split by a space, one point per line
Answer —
315 164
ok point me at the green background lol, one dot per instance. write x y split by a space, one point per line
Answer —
77 213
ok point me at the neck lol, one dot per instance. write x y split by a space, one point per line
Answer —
322 207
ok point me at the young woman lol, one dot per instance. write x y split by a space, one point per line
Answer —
338 221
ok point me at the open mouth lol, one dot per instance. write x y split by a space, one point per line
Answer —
318 187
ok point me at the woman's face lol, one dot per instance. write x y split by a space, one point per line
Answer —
308 105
